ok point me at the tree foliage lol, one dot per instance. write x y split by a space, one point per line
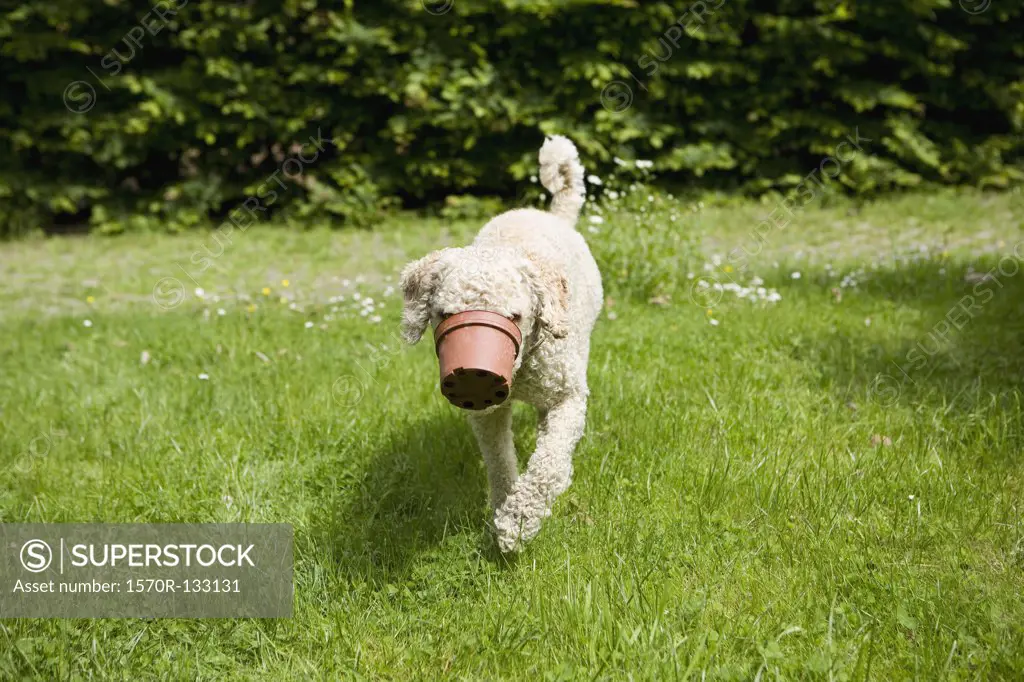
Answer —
138 116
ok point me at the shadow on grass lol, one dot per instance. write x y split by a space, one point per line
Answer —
966 350
424 486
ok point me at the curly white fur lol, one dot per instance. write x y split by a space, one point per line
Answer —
535 268
561 173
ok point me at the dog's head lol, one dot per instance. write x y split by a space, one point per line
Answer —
506 281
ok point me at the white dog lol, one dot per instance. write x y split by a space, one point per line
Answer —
534 268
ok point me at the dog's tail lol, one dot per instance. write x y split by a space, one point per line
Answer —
561 173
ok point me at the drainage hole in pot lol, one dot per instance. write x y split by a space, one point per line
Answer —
500 394
468 403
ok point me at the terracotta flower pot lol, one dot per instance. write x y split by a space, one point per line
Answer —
476 350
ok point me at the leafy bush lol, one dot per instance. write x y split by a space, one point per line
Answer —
186 110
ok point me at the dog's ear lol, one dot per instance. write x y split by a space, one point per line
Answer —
551 292
418 281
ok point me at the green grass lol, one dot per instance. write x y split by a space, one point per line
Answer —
750 499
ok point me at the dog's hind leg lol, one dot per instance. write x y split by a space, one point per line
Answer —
547 475
493 430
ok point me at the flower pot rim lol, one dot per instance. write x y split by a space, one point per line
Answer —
478 318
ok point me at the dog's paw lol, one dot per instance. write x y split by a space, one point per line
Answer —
518 520
514 530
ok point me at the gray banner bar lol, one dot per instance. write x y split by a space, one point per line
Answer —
153 570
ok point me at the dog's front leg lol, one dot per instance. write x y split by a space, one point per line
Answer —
493 430
546 477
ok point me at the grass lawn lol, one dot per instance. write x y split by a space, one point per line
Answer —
828 485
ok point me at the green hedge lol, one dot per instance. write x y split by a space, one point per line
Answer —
135 116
